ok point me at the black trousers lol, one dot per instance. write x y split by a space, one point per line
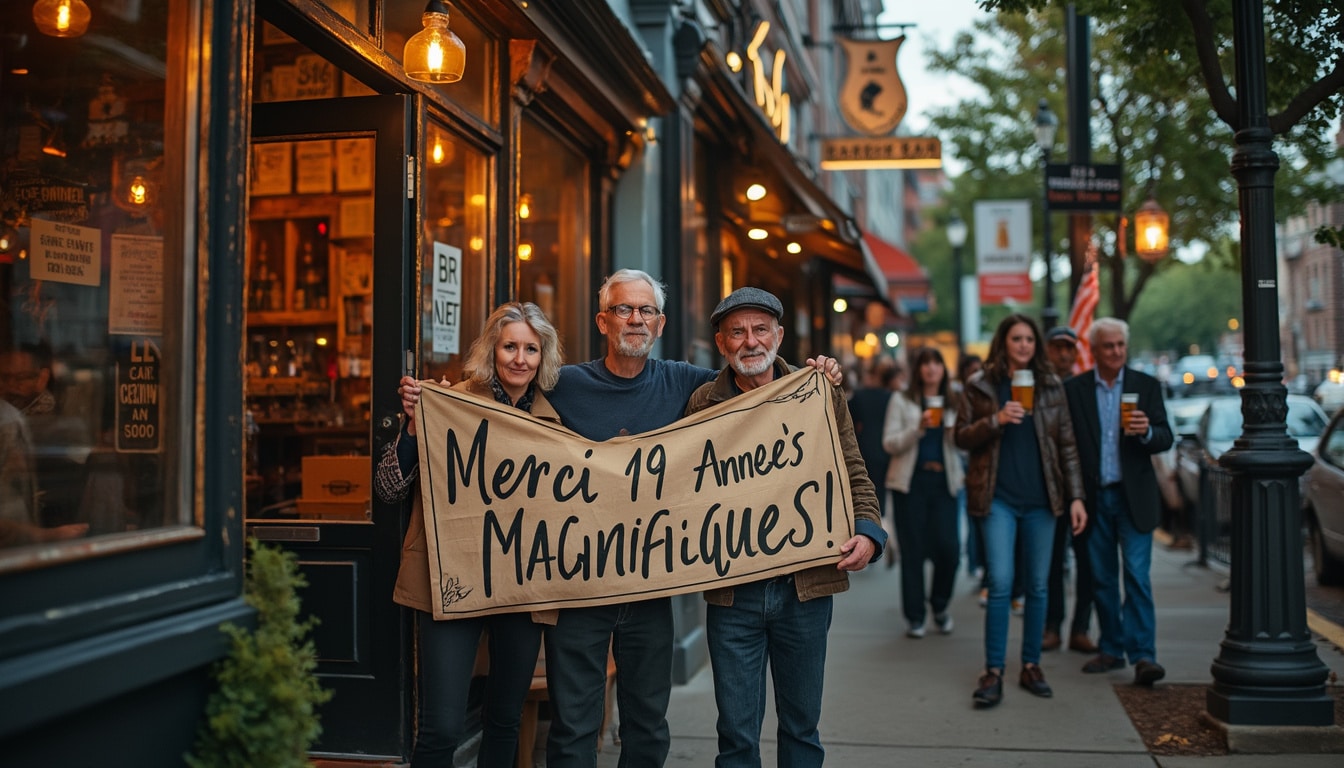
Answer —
1082 591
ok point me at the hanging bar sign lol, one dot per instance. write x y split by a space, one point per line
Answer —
138 399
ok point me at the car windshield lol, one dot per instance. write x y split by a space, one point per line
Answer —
1225 420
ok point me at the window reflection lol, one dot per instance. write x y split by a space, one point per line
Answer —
455 262
90 336
553 235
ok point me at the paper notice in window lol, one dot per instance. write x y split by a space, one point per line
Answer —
135 286
66 253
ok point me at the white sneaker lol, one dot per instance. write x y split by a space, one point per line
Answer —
943 622
916 631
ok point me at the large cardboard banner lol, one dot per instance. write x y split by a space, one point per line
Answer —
524 515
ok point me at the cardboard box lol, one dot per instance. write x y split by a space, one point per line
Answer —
325 509
337 478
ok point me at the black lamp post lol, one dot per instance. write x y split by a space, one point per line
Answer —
1046 126
1267 671
956 237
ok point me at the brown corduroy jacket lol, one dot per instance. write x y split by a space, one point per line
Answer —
820 580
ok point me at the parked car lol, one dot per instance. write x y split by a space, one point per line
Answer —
1330 394
1183 416
1220 425
1324 507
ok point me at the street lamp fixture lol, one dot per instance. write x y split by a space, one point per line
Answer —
956 237
1150 231
1047 125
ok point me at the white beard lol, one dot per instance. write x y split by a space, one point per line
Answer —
757 366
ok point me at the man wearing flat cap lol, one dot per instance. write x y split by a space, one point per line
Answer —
781 620
1061 349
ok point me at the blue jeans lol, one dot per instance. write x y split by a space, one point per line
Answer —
1128 631
447 656
1002 527
767 622
926 529
640 637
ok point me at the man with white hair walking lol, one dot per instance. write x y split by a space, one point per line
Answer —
1120 421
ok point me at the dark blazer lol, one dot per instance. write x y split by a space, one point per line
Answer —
1136 465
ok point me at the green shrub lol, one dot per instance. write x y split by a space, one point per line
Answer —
263 711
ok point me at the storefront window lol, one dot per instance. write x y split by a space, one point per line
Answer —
553 235
456 256
474 91
92 237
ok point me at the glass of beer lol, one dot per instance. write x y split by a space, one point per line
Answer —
1024 388
1128 402
934 407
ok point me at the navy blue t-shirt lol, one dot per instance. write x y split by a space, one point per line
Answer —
600 405
1020 481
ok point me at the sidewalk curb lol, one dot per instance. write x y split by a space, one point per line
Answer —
1278 739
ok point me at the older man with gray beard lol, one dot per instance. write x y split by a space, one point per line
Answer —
781 620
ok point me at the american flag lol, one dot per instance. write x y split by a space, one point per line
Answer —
1080 317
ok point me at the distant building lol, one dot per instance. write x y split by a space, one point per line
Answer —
1311 287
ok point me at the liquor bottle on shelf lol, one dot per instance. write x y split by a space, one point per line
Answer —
314 284
276 302
261 288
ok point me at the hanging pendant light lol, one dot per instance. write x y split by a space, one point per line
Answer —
61 18
434 54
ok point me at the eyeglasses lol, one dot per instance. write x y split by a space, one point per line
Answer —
624 311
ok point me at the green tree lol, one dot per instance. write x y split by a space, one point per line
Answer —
1150 115
1186 304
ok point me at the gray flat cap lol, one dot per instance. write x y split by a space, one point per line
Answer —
744 298
1061 333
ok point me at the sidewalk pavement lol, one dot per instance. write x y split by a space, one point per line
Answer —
891 700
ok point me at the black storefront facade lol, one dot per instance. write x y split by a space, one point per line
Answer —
221 227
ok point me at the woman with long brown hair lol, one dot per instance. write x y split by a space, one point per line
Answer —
1023 473
924 476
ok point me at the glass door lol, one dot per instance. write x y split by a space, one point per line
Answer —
329 256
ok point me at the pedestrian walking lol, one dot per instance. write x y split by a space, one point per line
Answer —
1023 472
924 476
1061 348
1121 422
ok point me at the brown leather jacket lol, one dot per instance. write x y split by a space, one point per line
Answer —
978 432
820 580
412 588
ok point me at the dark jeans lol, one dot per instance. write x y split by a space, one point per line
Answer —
640 637
768 624
926 529
1082 581
447 655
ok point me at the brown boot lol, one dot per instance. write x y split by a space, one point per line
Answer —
1050 640
1080 642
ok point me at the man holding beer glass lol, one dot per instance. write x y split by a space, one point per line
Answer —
1120 422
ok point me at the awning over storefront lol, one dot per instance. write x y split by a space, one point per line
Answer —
815 221
907 284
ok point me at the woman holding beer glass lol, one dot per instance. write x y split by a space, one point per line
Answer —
1023 472
513 362
924 475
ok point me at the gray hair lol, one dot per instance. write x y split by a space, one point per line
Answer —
622 276
480 363
1108 324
